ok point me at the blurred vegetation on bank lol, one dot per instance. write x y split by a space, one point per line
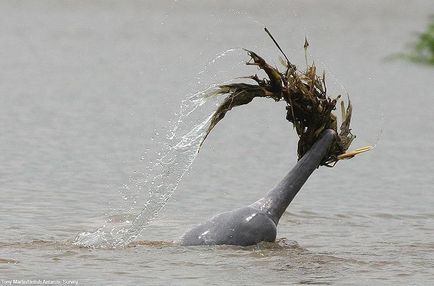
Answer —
422 50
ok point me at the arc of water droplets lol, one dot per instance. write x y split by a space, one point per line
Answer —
161 181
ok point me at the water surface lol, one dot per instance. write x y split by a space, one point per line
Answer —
84 86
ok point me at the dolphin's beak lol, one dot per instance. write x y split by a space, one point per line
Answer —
278 199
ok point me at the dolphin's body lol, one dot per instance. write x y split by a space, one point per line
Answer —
258 221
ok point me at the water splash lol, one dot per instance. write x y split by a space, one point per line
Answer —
161 178
176 151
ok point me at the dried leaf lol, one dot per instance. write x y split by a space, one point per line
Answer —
238 94
308 107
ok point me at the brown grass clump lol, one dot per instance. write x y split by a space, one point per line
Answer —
308 107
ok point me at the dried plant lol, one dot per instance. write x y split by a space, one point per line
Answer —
308 107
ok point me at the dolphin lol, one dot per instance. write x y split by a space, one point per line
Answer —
257 222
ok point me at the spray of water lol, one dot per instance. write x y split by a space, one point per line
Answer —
160 178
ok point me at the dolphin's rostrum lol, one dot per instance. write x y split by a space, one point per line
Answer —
258 221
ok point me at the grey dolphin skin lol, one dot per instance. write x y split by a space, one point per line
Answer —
258 221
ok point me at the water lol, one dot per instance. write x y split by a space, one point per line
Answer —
86 85
157 182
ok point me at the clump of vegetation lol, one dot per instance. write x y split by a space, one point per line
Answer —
308 107
422 51
424 48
